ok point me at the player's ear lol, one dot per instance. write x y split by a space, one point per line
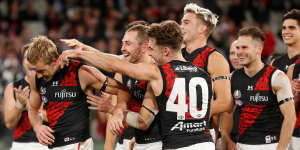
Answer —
166 51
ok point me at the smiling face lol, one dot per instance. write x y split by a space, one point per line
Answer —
290 31
248 50
190 27
131 47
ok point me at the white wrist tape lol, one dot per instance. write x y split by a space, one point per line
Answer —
19 105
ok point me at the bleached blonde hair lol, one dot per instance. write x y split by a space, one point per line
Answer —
206 16
41 49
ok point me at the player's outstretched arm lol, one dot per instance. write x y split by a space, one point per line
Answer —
110 63
282 88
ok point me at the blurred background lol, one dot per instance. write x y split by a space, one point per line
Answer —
101 23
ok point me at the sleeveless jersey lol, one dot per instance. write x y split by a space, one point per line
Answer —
260 117
296 73
184 105
65 105
23 131
199 57
138 90
283 62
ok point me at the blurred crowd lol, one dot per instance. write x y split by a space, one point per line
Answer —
101 23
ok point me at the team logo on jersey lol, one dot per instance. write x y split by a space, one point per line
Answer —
250 88
42 90
44 98
55 83
236 95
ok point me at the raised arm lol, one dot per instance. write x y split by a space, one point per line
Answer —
43 133
13 107
109 62
282 88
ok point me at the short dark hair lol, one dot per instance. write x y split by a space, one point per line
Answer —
167 33
293 14
142 32
138 22
254 32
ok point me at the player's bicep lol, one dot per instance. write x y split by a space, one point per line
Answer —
281 87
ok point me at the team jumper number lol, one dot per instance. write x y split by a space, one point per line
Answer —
182 107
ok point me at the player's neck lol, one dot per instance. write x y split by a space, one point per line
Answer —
293 50
195 44
178 56
253 68
145 58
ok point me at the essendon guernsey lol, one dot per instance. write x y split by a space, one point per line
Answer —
138 90
199 57
184 104
23 131
296 73
260 116
66 106
283 62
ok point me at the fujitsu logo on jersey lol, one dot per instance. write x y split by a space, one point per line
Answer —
199 126
64 94
258 98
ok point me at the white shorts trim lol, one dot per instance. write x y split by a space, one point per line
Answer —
148 146
294 143
27 146
86 145
241 146
124 146
199 146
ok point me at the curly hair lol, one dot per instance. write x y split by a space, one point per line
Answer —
41 49
167 33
